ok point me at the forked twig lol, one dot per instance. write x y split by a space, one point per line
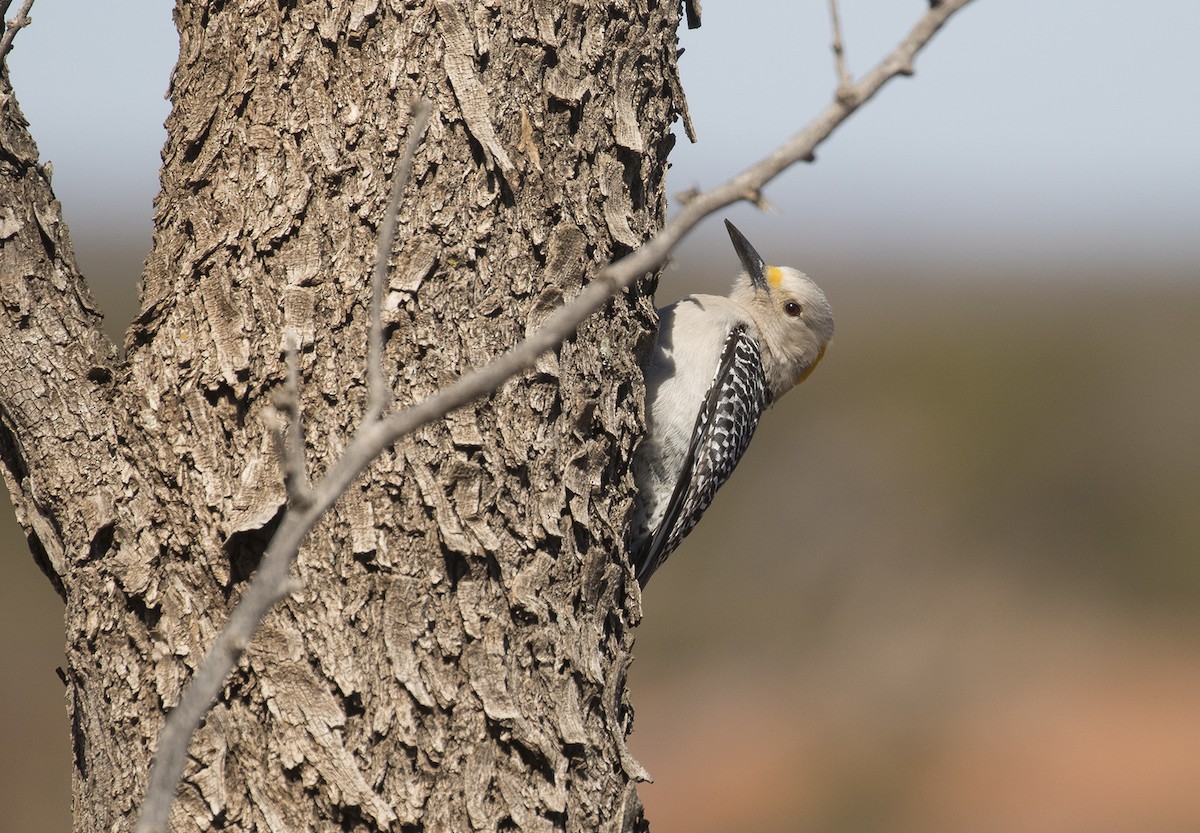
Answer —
306 504
19 22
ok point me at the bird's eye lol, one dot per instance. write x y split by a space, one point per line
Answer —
793 308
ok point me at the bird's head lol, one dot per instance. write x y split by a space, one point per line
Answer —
793 317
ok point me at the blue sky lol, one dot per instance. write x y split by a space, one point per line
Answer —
1034 130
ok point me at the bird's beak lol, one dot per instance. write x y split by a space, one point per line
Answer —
751 260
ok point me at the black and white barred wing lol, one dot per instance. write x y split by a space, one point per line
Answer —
724 426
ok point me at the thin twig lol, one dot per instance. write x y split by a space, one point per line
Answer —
653 253
15 25
271 584
379 393
845 79
291 437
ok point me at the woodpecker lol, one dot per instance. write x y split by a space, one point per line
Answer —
717 365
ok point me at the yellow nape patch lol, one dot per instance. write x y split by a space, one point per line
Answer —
774 276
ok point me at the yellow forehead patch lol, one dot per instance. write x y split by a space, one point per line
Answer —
774 276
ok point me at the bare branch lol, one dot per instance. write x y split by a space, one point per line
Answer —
15 25
379 393
653 253
271 582
845 79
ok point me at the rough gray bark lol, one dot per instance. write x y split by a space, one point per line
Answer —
456 658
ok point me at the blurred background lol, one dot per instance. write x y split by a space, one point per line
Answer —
955 584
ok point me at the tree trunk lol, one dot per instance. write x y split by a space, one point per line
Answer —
455 656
